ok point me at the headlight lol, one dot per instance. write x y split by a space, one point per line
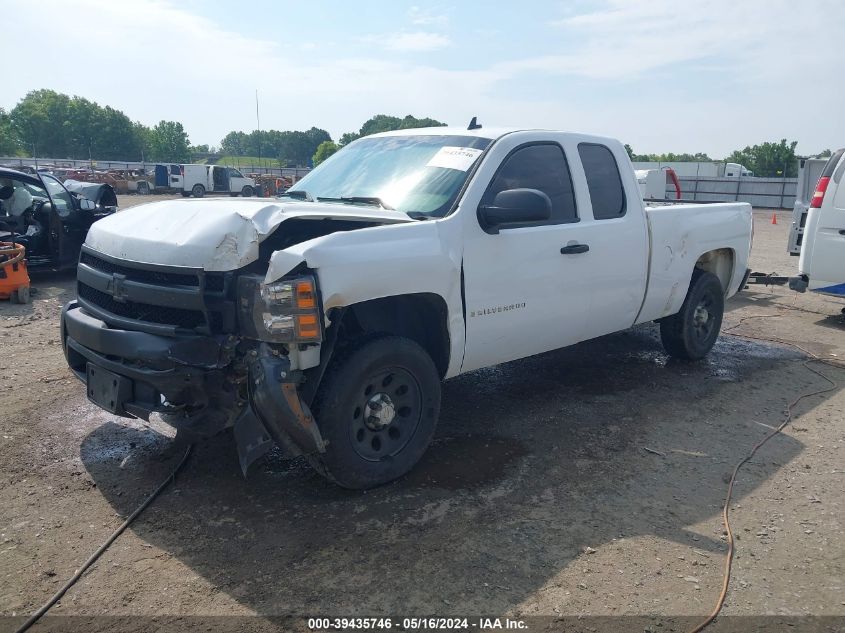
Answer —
284 311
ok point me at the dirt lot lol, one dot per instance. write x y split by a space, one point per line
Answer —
586 481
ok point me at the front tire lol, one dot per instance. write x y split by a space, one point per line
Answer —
691 333
198 191
143 188
377 408
247 191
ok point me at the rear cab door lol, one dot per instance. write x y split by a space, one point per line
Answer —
823 251
614 227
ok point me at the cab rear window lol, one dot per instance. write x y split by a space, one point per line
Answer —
603 180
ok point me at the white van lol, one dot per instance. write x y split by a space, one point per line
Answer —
809 172
821 267
197 180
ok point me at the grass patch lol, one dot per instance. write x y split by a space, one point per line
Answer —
247 161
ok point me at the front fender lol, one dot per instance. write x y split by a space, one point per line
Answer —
385 261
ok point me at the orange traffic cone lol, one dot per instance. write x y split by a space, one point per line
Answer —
774 218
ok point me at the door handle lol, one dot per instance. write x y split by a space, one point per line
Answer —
574 249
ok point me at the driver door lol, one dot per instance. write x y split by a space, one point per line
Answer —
67 230
523 294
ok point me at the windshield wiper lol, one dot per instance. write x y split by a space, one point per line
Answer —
299 194
418 215
360 199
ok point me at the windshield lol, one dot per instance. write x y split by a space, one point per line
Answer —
413 174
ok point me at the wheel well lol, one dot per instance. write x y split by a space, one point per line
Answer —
422 317
720 262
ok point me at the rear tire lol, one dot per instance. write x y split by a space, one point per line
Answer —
143 188
691 333
198 191
377 408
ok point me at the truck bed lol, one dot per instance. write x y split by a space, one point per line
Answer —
679 233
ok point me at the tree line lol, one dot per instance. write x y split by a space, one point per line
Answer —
49 123
767 160
293 148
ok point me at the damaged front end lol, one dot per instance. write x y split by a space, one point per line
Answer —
207 351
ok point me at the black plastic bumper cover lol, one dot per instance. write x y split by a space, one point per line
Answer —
180 369
190 370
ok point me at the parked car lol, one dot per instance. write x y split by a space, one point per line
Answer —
821 265
37 211
325 320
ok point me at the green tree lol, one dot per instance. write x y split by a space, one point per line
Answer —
768 159
324 150
116 137
671 157
169 142
234 144
387 123
347 138
143 136
9 145
39 122
825 154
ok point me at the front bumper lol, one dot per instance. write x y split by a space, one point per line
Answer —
163 370
191 377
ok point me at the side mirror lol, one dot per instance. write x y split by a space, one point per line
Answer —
515 207
87 205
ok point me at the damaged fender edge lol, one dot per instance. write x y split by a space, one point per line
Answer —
275 412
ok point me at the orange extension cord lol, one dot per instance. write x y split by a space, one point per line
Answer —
787 419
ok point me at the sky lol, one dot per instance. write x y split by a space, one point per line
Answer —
664 76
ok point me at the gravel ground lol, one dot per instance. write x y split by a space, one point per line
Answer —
586 481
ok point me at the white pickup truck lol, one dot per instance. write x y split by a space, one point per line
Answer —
325 320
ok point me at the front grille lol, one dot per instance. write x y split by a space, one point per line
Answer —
139 274
188 319
190 299
213 281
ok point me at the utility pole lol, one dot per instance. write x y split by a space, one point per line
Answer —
258 125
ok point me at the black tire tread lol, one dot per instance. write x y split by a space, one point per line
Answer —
343 352
673 328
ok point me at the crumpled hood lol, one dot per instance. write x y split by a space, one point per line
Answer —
214 234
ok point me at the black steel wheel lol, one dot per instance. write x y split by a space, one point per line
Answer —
377 408
691 333
198 191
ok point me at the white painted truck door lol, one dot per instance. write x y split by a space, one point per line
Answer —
825 245
523 295
614 226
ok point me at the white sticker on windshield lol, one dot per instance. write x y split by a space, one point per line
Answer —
449 157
